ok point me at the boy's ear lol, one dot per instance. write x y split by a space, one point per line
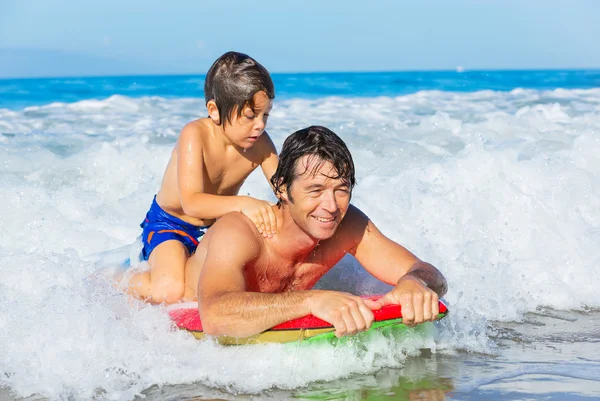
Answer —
213 112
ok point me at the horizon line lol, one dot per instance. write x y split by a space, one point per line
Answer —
457 70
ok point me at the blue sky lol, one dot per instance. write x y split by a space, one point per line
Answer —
112 37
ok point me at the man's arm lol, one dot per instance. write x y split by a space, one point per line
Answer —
385 259
227 307
429 276
418 285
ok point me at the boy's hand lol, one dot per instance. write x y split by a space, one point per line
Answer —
262 215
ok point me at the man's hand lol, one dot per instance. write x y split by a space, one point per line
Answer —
348 313
262 215
419 303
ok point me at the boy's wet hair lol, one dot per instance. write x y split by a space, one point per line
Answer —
232 81
319 142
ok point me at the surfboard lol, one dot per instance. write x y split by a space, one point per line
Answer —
310 328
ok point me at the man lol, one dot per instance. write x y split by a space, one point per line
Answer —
246 283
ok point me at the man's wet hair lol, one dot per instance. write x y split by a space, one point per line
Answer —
232 81
318 142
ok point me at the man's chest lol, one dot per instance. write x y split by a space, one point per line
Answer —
280 277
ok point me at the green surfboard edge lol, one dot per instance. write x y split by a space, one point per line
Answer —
330 337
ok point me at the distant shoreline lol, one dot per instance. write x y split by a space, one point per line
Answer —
462 70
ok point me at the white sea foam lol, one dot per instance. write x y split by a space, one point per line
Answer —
500 190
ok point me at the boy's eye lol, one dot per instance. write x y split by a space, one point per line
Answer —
250 117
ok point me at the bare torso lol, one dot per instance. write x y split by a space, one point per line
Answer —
225 169
272 275
269 272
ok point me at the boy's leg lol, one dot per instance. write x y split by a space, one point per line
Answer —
193 266
164 282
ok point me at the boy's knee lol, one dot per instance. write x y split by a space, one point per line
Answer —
167 291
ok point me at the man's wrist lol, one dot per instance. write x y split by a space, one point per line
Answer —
415 277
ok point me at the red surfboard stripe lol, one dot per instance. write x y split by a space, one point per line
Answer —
189 318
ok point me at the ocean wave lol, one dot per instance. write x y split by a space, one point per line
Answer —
500 190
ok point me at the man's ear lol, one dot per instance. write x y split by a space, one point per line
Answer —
213 112
283 194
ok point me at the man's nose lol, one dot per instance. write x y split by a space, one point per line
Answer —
329 202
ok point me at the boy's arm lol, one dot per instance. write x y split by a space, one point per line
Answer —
262 215
191 181
270 159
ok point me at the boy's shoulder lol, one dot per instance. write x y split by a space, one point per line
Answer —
196 134
195 127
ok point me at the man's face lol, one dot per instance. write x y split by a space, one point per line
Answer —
319 201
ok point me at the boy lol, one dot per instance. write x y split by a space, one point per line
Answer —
211 160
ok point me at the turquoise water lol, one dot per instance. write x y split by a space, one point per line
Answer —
16 93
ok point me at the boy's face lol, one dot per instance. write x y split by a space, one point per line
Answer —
245 129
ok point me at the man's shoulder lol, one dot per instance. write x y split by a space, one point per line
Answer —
236 230
355 221
350 231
